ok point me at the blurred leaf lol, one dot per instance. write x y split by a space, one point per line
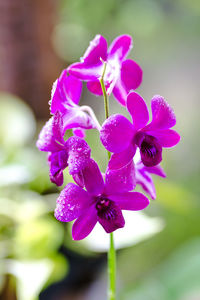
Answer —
38 238
22 206
31 276
176 198
176 279
60 268
17 123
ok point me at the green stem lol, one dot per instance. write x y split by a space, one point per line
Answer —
111 252
112 269
105 97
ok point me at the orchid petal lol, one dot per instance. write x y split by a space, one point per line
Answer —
138 110
57 162
117 133
79 132
145 180
95 87
76 118
120 47
84 224
56 177
131 74
121 180
86 72
163 116
113 219
97 50
93 179
130 200
51 136
71 203
166 138
119 160
78 178
119 92
150 149
66 91
156 170
79 154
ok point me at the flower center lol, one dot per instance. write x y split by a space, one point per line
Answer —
105 208
148 149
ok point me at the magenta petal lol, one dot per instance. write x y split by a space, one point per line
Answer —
144 179
130 200
112 218
150 149
57 162
166 138
120 92
86 72
76 118
120 47
71 203
95 87
96 50
51 136
84 224
56 178
72 87
157 170
121 180
116 133
93 179
79 132
119 160
138 110
66 92
79 154
131 74
78 178
163 116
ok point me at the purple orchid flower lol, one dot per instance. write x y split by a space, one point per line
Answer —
121 137
121 74
65 96
74 153
100 202
144 178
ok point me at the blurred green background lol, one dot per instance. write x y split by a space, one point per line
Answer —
38 259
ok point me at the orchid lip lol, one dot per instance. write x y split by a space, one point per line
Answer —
105 209
150 149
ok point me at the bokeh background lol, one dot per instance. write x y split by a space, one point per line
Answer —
159 257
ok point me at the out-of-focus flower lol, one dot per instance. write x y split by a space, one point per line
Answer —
65 96
121 74
121 137
143 175
74 153
144 178
100 202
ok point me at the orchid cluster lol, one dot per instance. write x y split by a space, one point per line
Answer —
94 196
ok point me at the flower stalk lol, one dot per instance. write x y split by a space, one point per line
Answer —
111 252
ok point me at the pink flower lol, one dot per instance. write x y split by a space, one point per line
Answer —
121 74
101 202
65 97
73 153
144 178
120 136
